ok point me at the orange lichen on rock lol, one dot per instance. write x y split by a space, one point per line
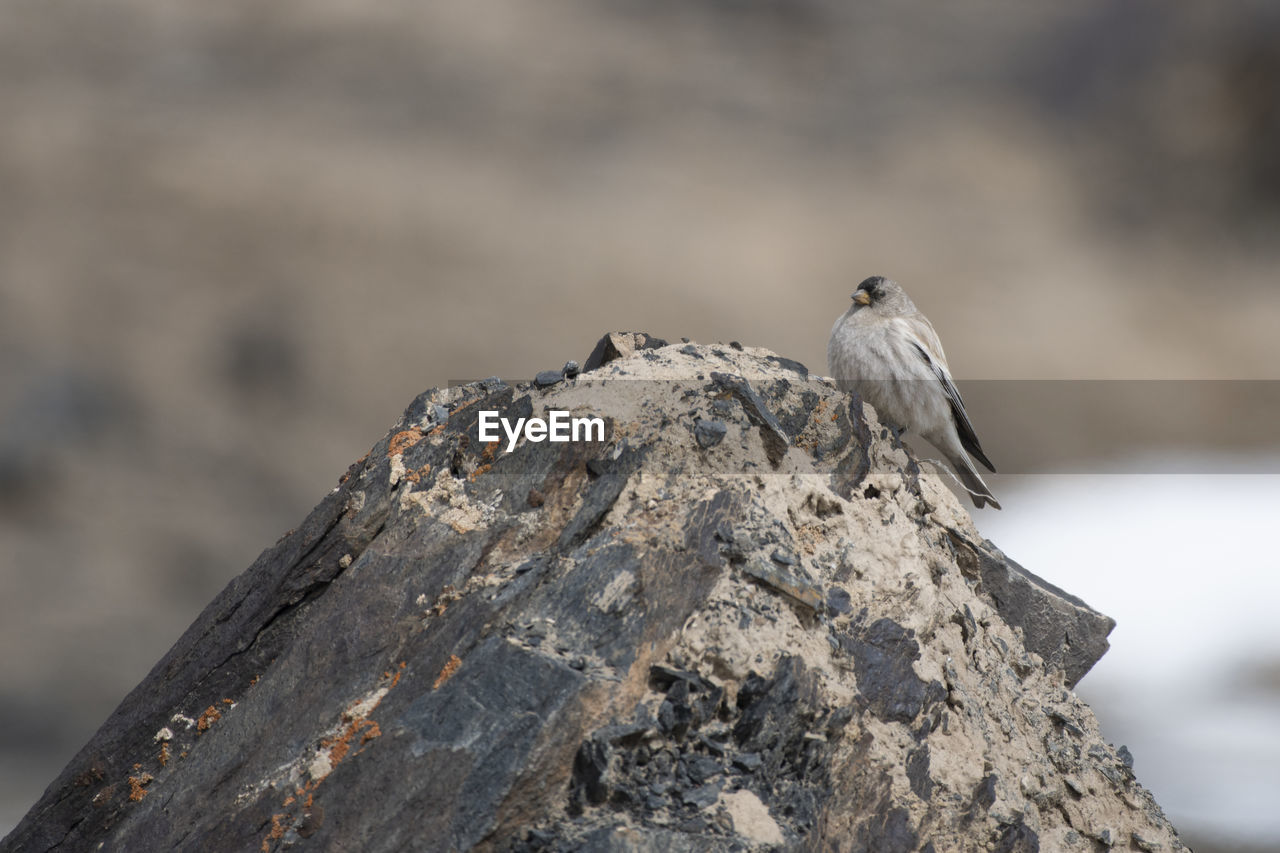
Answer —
332 751
164 753
480 470
339 746
449 669
402 441
278 824
447 596
395 676
418 474
210 716
138 787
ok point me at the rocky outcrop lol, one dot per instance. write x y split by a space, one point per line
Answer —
742 618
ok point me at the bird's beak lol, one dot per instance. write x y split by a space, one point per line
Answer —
861 297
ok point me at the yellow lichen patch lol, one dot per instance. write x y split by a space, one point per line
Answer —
447 672
402 441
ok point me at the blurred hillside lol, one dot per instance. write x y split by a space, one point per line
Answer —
237 238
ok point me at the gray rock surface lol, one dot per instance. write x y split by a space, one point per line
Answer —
791 636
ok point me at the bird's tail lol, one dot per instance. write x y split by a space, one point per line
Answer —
972 481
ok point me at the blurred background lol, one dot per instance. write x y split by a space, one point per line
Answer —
236 239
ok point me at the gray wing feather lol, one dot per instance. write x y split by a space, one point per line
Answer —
968 438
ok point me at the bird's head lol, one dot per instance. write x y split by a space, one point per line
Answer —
882 295
872 291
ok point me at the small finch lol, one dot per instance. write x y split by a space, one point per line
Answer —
887 351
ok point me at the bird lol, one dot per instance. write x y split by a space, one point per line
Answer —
884 349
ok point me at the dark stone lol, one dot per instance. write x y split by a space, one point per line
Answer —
674 718
711 745
703 796
838 601
590 766
984 795
855 462
709 433
1125 756
616 345
839 719
968 625
624 734
800 591
882 654
664 677
1017 837
1058 626
789 364
571 369
771 433
769 707
700 768
547 378
918 772
1064 721
600 497
887 832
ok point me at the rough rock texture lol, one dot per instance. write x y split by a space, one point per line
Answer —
744 620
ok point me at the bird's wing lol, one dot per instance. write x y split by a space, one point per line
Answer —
920 333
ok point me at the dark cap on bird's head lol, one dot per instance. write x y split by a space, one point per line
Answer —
870 290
